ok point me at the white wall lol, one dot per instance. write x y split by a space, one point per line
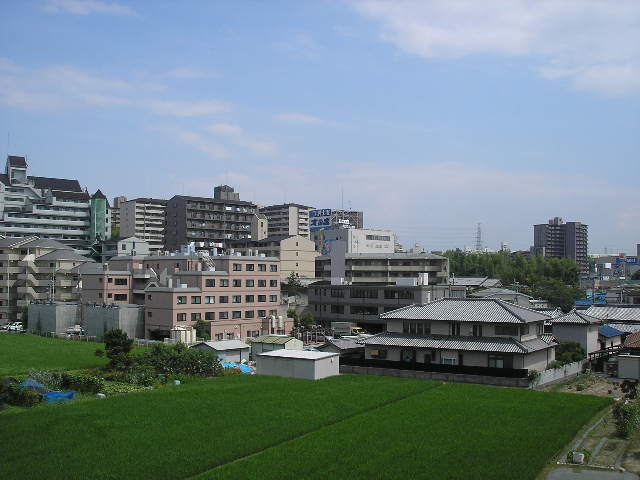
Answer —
298 367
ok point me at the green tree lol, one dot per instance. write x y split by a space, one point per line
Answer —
306 320
293 285
115 232
292 313
118 346
636 275
203 329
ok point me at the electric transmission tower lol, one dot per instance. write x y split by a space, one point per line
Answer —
479 238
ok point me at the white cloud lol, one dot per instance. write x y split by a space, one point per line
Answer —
185 108
186 73
212 149
595 44
256 144
302 118
87 7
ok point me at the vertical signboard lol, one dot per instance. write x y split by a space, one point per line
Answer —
320 219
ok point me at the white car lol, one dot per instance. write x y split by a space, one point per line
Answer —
15 327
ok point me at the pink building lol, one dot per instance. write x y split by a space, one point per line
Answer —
239 296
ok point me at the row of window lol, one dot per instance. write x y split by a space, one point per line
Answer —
250 267
210 299
209 316
118 297
390 294
211 282
493 360
116 281
249 333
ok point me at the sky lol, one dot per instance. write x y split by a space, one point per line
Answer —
430 116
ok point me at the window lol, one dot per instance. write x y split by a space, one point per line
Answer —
262 283
195 316
262 298
273 298
100 295
210 299
337 309
273 268
229 336
224 283
273 312
379 353
181 317
109 280
262 313
148 297
416 328
182 300
209 315
250 267
120 297
196 300
249 314
210 282
449 361
101 279
454 329
249 298
219 336
496 361
237 267
237 283
223 315
477 330
109 295
121 281
506 329
149 314
382 238
364 293
273 283
236 314
236 299
336 293
223 299
250 283
262 267
363 310
401 294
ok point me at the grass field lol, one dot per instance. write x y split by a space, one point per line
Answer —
21 352
264 427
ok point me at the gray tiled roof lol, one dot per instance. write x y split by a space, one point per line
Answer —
225 345
344 343
626 327
475 281
276 339
615 313
64 255
62 184
574 317
482 344
468 310
488 292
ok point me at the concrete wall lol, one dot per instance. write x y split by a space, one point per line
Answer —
629 366
298 368
237 355
556 374
55 317
585 335
98 320
539 360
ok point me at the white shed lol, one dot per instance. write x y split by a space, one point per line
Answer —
299 364
227 350
268 343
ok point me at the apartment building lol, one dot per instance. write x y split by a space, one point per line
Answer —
356 240
296 253
51 208
363 303
100 222
384 268
36 269
145 218
208 220
558 239
115 213
287 219
239 296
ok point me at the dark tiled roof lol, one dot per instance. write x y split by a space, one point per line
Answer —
20 162
4 178
70 195
57 184
633 340
577 318
99 194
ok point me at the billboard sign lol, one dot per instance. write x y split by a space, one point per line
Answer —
627 260
320 219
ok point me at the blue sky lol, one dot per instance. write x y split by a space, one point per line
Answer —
429 116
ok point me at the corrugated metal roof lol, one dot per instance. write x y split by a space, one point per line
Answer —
276 339
475 281
298 354
482 344
615 313
608 331
225 345
468 310
576 318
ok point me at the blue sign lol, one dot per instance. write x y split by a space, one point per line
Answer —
320 219
627 260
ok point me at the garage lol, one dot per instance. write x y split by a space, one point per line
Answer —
298 364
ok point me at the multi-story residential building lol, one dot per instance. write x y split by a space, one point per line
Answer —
562 240
297 254
287 219
363 303
52 208
357 240
384 268
259 226
115 213
144 218
100 222
477 334
238 296
208 220
33 269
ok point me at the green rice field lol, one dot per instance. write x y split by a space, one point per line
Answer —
350 426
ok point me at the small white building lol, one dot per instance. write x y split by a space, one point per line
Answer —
268 343
577 326
227 350
299 364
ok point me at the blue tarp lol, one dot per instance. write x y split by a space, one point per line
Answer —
30 382
243 368
57 397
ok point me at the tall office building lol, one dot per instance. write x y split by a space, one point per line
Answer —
557 239
287 219
51 208
144 218
118 202
208 221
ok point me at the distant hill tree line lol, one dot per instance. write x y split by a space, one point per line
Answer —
551 279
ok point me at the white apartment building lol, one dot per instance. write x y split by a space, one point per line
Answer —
52 208
357 240
144 218
287 219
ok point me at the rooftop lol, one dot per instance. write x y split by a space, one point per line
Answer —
489 292
576 318
275 339
225 345
18 162
608 331
475 281
299 354
631 313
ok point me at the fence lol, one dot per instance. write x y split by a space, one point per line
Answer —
66 336
556 374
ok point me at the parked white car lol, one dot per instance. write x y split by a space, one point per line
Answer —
15 327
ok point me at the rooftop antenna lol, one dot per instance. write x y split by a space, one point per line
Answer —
479 237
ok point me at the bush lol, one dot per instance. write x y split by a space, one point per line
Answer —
627 417
177 358
569 352
554 365
13 394
82 383
50 379
118 347
143 376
